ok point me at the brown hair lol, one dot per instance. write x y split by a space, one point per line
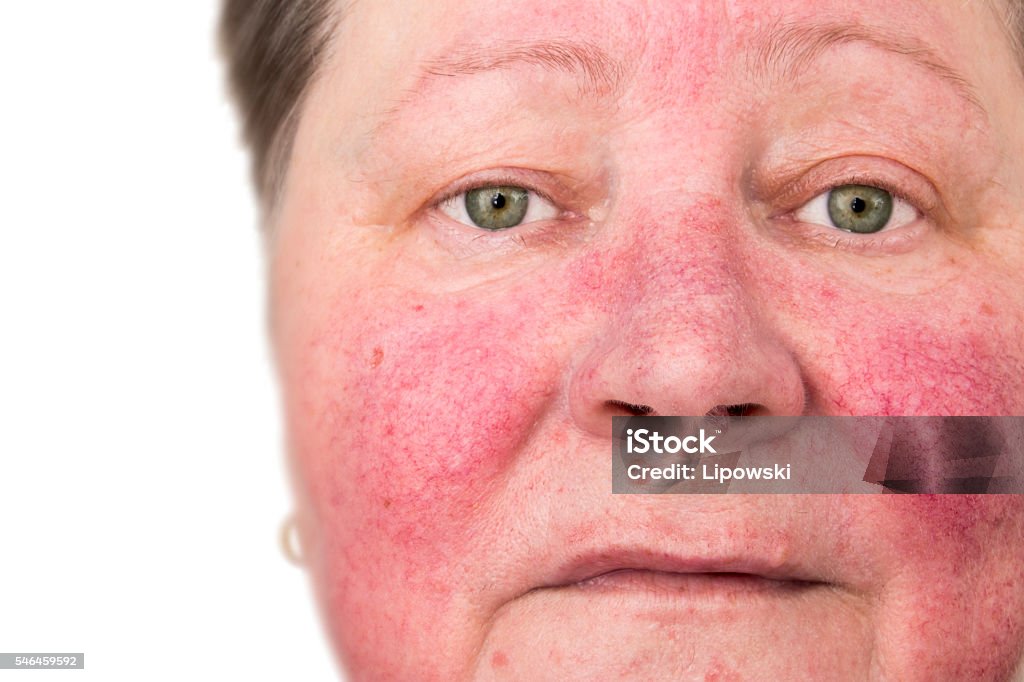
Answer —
1015 20
273 48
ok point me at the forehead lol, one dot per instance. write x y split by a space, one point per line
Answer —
388 55
384 46
394 63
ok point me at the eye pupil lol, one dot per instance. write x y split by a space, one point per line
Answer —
498 200
858 205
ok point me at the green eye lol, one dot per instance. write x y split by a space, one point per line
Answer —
497 208
860 208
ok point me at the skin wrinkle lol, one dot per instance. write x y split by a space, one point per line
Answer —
447 392
781 53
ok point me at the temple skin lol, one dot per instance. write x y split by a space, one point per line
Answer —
449 390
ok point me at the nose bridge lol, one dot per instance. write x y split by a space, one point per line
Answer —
682 257
687 311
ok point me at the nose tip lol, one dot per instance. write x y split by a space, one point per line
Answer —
716 359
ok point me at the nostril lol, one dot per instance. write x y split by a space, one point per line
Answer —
738 410
633 409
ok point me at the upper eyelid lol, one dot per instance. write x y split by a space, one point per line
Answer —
897 179
483 179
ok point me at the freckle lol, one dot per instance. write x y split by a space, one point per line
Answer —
986 309
387 502
499 660
378 357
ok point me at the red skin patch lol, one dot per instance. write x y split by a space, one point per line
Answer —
499 660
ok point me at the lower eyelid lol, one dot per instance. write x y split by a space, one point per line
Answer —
888 241
879 243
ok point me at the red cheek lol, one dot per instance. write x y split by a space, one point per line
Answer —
867 351
956 588
958 521
447 396
913 365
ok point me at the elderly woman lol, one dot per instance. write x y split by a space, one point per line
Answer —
492 227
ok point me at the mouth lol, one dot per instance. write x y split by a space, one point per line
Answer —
704 584
644 572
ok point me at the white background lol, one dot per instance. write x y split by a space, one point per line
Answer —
142 477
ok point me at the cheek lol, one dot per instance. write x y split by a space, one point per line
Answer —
446 391
952 601
943 352
917 364
960 532
408 412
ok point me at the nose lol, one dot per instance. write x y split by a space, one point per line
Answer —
691 336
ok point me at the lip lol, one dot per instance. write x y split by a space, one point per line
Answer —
638 567
689 584
797 540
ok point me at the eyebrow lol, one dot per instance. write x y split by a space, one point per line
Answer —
597 72
781 51
786 50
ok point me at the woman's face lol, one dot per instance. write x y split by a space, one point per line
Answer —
667 236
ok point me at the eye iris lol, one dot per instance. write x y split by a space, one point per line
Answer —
497 208
860 208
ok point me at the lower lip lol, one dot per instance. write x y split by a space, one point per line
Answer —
691 584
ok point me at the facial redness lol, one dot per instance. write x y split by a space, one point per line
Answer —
449 389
